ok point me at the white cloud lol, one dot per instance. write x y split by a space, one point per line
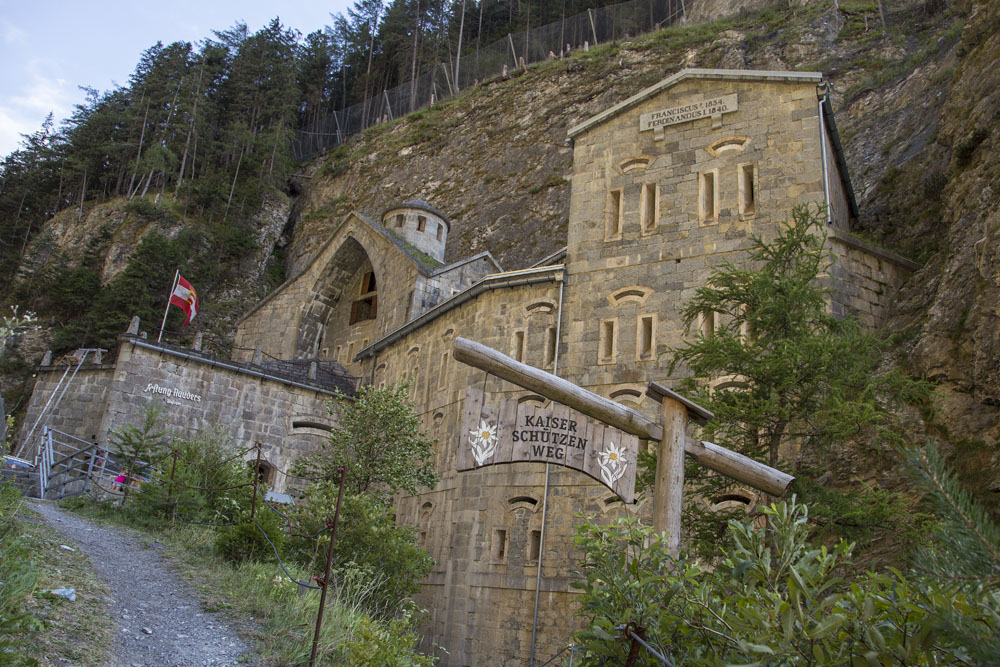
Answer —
12 34
25 110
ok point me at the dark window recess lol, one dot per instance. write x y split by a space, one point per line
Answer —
368 283
364 309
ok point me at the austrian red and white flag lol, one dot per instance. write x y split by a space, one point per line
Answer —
185 298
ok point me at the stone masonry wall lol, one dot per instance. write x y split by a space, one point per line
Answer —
202 395
650 271
481 593
864 279
80 410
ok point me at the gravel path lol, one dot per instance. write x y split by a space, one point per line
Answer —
160 621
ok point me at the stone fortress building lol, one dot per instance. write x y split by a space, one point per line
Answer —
665 186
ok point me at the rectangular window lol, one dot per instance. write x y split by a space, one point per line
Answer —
499 544
443 371
368 283
518 350
649 206
706 324
421 223
336 353
440 232
748 189
614 214
708 198
350 353
535 546
550 346
364 343
645 346
399 220
607 342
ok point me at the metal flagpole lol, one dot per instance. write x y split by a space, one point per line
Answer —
173 286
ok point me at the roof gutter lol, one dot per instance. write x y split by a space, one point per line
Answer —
544 274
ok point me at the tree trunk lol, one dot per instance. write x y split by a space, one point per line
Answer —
233 188
413 61
138 153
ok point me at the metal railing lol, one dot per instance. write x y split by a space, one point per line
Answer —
67 464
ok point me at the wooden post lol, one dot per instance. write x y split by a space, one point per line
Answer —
668 495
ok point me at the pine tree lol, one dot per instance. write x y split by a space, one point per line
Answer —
779 371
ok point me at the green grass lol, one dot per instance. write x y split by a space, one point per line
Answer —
43 628
281 615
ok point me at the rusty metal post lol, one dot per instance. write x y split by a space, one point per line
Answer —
324 583
633 651
170 486
256 484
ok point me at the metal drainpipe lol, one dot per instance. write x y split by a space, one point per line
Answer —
826 168
545 495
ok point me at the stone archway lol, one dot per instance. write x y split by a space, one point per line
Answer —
335 285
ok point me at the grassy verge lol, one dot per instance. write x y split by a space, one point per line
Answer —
271 610
36 626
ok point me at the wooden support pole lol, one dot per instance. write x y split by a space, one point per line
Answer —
668 494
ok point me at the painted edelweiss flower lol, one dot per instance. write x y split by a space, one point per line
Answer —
612 462
483 441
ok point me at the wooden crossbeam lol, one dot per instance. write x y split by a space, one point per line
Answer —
724 461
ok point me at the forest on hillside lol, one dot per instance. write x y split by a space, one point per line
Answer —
201 137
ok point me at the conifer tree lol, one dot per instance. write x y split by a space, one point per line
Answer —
778 370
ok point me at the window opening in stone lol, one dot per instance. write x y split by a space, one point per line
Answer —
707 196
423 538
399 220
443 378
706 324
265 473
748 194
440 232
648 206
607 340
421 223
499 544
550 345
350 353
518 346
366 307
613 225
535 546
336 353
645 337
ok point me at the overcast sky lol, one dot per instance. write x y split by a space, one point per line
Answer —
50 47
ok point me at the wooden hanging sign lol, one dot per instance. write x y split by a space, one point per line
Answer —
510 431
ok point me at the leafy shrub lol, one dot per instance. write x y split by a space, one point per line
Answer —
246 540
389 644
368 540
773 598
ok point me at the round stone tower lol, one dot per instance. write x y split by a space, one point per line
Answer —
419 224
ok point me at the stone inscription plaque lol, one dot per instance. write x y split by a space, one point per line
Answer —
506 431
715 106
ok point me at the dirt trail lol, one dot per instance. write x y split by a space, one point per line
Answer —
160 620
